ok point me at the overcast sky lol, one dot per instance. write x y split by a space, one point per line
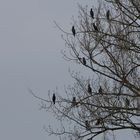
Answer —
30 46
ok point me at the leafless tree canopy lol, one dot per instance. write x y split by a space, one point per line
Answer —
107 43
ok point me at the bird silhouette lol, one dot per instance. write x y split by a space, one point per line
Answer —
73 31
108 14
127 102
84 61
99 121
95 27
100 90
87 125
53 98
90 138
91 13
89 89
74 101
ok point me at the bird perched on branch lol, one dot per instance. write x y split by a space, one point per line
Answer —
100 90
91 13
84 61
87 125
53 98
99 121
89 89
127 102
95 27
108 15
74 101
90 138
73 31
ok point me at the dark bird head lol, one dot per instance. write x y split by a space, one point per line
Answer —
53 98
91 13
95 27
89 89
108 14
84 61
73 31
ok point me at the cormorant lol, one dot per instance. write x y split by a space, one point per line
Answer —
100 90
89 89
84 61
108 14
74 101
90 138
73 31
95 27
53 98
87 125
91 13
127 102
98 121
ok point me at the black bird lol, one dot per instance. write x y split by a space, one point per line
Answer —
73 31
95 27
100 90
91 13
53 98
74 101
127 102
87 125
99 120
108 14
84 61
89 89
90 138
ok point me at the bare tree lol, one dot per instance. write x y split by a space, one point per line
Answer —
108 45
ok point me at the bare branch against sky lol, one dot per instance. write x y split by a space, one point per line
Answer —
103 100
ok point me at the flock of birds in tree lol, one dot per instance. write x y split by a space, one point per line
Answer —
99 120
89 89
94 25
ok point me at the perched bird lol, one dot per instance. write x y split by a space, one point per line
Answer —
90 138
73 31
100 90
127 102
138 104
89 89
84 61
74 101
91 13
95 27
99 120
87 125
108 14
53 98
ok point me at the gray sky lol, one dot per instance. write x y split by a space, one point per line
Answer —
30 46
